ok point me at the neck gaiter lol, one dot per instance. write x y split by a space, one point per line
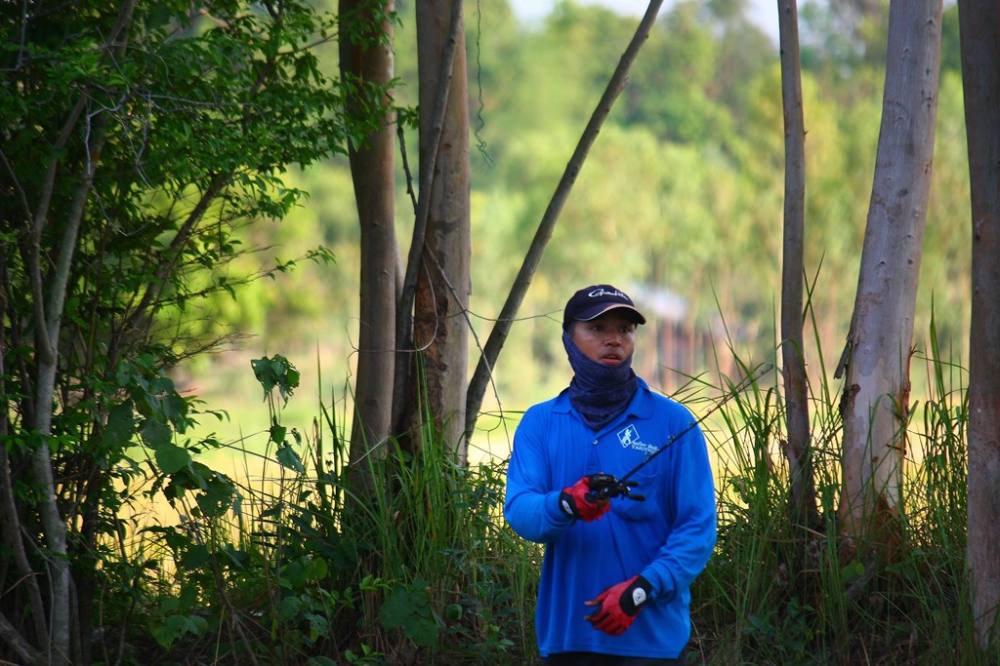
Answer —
599 392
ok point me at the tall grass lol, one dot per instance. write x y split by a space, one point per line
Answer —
422 569
777 593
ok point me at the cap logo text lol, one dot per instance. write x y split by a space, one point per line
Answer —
604 292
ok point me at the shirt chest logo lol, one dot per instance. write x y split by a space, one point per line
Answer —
630 439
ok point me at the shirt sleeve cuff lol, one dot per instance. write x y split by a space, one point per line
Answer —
555 514
661 581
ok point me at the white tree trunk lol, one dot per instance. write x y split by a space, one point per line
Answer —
876 392
979 22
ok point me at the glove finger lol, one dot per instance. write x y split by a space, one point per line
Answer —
609 626
598 599
598 617
604 621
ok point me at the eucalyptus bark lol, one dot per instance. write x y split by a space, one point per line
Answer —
979 23
876 392
372 169
498 336
443 282
797 449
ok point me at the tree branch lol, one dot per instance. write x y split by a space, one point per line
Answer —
12 637
484 369
173 252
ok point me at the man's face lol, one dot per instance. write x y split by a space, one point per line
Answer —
608 339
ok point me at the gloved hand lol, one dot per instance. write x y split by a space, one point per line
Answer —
619 604
573 501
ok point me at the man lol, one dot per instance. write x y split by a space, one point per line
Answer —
615 584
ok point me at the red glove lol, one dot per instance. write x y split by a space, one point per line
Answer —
619 604
573 501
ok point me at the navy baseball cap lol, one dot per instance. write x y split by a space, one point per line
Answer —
593 301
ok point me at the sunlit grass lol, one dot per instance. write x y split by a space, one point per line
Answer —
423 567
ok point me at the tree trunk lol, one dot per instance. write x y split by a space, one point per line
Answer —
876 392
372 169
443 283
803 491
979 22
47 344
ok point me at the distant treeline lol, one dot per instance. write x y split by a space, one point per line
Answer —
682 193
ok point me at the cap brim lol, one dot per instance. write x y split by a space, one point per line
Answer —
598 310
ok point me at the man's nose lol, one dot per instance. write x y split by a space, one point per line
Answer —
614 338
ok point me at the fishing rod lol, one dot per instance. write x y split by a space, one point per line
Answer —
606 486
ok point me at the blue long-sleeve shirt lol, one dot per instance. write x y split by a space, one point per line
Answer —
667 538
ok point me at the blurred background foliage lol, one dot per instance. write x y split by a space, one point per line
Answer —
681 198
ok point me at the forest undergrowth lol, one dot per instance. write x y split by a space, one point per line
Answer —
421 568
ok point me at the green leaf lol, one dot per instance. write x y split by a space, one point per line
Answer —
155 434
408 608
293 575
318 626
277 433
196 557
453 612
289 458
120 425
175 408
276 371
320 661
289 608
316 570
851 571
172 458
238 558
217 495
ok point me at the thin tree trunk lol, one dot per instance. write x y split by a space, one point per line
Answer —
979 22
484 369
443 282
10 522
372 169
47 327
803 491
876 392
430 145
53 524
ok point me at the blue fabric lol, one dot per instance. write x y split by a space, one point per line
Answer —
598 392
667 538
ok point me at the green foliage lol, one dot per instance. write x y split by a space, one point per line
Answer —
210 123
408 608
278 373
422 569
141 142
777 593
684 183
313 573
